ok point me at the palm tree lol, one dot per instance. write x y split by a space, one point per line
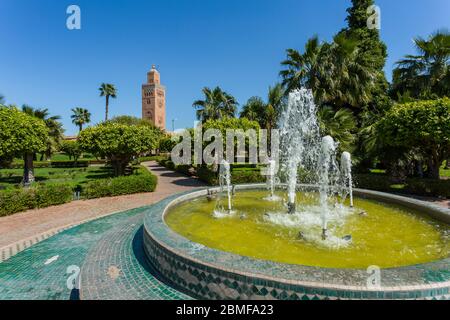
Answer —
340 125
301 68
254 110
107 90
274 105
335 72
217 105
265 113
428 72
344 79
80 117
54 127
2 99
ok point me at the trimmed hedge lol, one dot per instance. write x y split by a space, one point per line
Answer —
142 181
52 164
207 175
38 196
412 186
152 158
238 176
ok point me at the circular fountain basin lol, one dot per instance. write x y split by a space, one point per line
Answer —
257 252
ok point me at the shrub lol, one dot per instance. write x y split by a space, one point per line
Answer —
373 182
70 164
207 175
142 181
53 164
184 169
412 186
247 176
152 158
429 187
38 196
251 175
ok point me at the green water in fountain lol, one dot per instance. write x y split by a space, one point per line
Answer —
387 236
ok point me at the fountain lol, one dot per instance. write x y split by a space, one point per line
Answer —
225 188
326 166
299 133
325 262
271 181
347 180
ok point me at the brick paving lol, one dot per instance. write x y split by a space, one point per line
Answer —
28 225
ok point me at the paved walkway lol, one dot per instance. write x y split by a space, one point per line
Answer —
106 253
27 226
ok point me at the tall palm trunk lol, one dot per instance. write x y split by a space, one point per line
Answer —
81 127
28 172
107 108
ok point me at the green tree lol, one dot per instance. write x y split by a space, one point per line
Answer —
80 117
72 149
2 99
21 135
372 51
340 125
301 68
216 105
265 113
231 124
167 143
135 121
118 142
336 72
108 91
55 128
422 126
426 74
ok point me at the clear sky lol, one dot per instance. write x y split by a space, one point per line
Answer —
236 44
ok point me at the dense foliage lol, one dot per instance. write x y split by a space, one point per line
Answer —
216 105
37 196
22 135
141 181
422 127
119 143
427 74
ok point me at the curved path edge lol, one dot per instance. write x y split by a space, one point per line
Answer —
23 230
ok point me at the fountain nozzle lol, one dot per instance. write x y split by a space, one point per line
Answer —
324 234
291 208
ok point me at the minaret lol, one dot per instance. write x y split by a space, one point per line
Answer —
154 100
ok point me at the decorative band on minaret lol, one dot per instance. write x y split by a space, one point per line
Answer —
154 99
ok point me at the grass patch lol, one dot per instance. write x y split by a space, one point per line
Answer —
9 178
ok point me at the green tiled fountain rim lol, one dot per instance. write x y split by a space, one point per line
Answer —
426 280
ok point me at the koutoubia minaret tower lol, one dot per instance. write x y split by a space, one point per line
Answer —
154 100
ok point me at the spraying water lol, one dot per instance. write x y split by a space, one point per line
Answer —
271 181
225 187
303 148
346 171
299 132
325 170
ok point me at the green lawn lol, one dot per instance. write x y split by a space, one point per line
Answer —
74 176
445 173
61 157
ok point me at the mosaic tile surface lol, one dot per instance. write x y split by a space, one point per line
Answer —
40 272
212 274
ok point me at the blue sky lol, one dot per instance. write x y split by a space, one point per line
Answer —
236 44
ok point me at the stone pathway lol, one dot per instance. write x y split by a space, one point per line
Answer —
24 229
107 251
